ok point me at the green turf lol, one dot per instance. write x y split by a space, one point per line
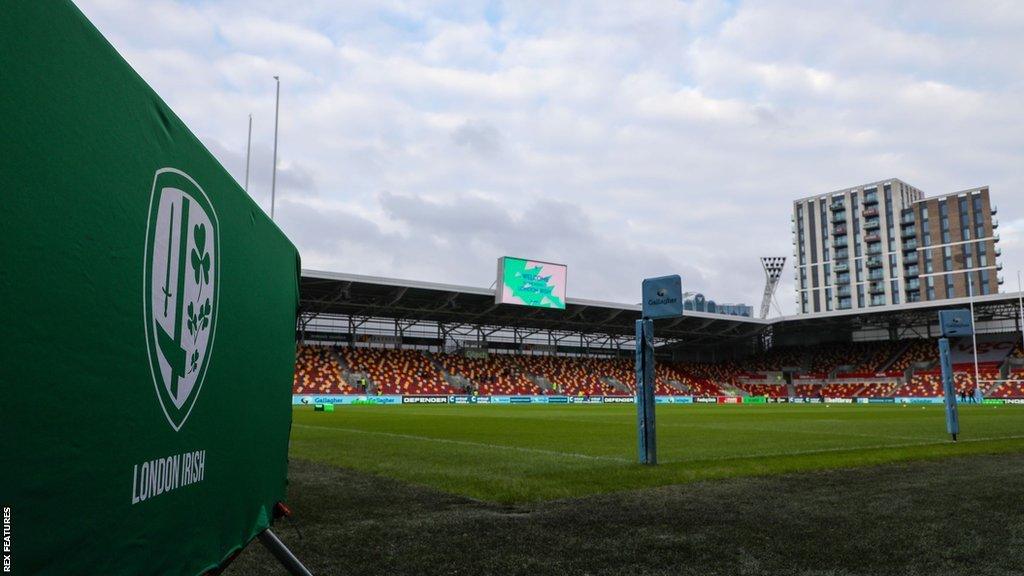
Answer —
953 517
531 453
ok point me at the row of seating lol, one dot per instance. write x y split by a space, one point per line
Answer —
398 371
318 371
323 370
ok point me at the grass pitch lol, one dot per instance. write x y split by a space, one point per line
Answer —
512 454
546 491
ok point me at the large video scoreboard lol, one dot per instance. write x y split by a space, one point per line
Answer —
530 283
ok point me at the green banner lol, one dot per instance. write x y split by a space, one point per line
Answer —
755 400
144 294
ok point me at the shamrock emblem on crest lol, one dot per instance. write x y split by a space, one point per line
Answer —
200 257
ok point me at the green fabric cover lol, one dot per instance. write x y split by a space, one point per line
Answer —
83 141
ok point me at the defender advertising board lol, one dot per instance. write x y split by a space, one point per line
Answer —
148 307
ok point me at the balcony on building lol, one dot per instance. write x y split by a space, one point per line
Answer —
842 267
873 237
869 212
999 251
914 284
1000 279
840 242
877 288
995 223
842 279
910 258
837 205
907 218
842 253
839 230
878 300
875 249
911 271
909 232
872 223
871 198
995 237
999 266
845 304
843 291
910 245
838 217
874 263
876 274
913 295
995 210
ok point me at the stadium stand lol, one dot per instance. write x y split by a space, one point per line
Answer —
844 390
915 352
808 390
769 390
878 390
1013 387
318 371
571 376
496 374
398 371
328 370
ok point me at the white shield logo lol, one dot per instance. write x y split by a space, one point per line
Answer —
180 297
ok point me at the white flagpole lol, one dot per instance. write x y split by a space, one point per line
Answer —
273 178
248 153
974 332
1020 304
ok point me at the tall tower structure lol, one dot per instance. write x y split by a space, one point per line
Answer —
773 266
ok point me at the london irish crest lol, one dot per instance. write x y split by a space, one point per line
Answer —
181 272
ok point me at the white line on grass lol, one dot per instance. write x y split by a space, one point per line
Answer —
779 430
466 443
845 449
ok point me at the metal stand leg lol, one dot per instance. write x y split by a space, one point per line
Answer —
283 554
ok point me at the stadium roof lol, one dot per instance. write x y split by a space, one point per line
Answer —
335 293
371 296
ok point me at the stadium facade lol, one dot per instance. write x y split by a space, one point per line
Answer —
697 302
885 243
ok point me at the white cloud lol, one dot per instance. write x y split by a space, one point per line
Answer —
423 139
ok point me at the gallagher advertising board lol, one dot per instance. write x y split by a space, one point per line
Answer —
145 292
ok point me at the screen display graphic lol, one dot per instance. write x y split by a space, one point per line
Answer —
531 283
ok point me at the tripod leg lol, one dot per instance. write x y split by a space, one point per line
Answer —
283 554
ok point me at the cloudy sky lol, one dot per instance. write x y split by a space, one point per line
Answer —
626 139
